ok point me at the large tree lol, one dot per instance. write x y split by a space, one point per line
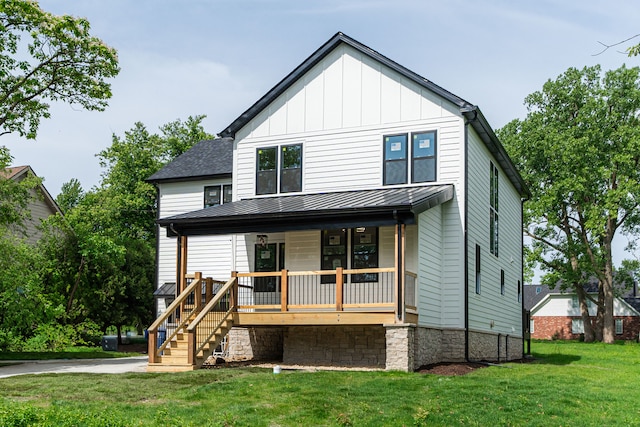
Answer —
578 149
44 57
104 263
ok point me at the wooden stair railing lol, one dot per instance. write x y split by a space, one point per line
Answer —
177 308
211 325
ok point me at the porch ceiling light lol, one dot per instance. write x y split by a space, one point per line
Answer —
262 240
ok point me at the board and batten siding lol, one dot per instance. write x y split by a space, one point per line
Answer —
208 254
491 311
339 111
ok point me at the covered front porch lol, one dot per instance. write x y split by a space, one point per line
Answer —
367 277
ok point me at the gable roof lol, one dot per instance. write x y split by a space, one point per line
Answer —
533 297
345 209
211 158
470 112
17 173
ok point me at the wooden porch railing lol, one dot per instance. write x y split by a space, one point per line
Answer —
211 320
177 316
371 289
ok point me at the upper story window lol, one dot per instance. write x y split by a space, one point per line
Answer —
478 275
493 209
288 160
422 152
217 194
502 282
291 169
395 159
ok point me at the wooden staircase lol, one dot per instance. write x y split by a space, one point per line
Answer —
201 331
175 357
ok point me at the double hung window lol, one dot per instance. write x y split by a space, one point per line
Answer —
398 151
279 168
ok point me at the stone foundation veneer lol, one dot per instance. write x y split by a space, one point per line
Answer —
403 347
357 346
494 347
254 344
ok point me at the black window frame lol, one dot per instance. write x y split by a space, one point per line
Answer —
478 270
493 209
502 289
328 258
365 277
386 162
263 174
222 194
415 158
284 170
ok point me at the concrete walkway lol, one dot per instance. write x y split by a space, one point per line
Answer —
64 366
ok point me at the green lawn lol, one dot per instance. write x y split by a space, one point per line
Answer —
570 384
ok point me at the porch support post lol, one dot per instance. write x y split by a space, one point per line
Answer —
183 264
399 276
234 292
208 292
339 288
284 289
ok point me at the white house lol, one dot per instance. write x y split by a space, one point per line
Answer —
369 217
555 314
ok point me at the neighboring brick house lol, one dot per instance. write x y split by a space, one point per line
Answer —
41 205
556 314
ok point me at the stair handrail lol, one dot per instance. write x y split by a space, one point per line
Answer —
152 330
194 347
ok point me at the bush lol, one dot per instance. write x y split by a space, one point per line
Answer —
55 337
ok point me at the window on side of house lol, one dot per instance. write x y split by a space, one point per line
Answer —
501 282
215 195
212 196
577 326
266 171
478 279
227 193
395 159
519 292
574 302
423 157
619 326
364 253
532 325
291 168
493 209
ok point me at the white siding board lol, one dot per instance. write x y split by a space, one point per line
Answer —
390 96
492 311
410 101
430 267
352 91
333 80
295 108
314 99
278 116
371 95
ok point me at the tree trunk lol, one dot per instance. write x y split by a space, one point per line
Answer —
608 326
589 333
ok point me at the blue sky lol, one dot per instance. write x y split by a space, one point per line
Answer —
182 58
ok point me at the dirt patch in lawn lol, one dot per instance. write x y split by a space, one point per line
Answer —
451 369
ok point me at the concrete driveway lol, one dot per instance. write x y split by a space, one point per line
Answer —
64 366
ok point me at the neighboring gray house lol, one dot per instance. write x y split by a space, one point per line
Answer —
41 204
358 205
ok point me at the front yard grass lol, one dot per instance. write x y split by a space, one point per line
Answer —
570 384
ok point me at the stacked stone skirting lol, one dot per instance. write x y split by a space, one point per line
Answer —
404 347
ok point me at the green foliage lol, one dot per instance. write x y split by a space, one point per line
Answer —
71 194
47 57
634 50
14 197
584 385
578 149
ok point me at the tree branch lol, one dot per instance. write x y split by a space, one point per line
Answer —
609 46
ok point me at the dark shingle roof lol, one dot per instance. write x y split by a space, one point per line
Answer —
207 159
312 211
533 294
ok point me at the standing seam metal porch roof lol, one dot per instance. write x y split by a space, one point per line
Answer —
344 209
